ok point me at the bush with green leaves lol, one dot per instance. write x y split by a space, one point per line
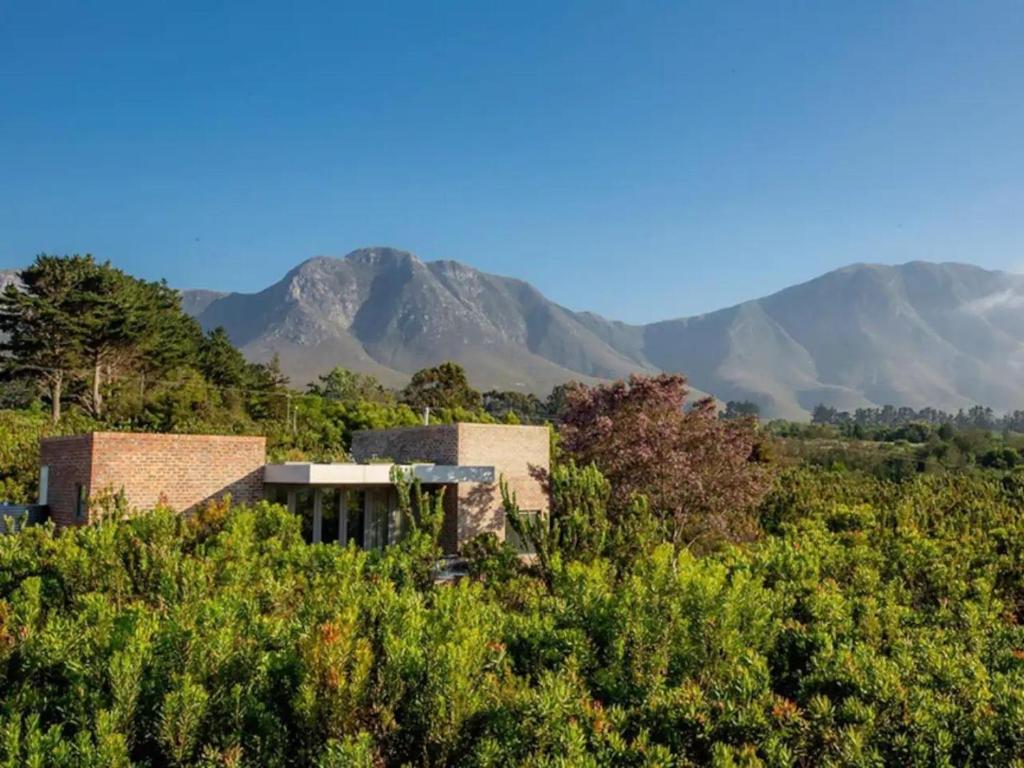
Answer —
874 623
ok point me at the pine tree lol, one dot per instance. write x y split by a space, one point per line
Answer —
43 324
221 362
130 325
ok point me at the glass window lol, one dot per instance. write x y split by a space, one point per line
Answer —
304 509
329 511
375 521
81 501
44 484
355 517
276 494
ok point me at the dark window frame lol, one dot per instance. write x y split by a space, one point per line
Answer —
81 501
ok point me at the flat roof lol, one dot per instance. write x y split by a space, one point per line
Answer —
307 473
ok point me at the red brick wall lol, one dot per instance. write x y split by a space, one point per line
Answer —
180 471
70 462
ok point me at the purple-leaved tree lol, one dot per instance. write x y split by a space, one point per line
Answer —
699 472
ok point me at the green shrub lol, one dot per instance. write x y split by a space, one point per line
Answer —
875 623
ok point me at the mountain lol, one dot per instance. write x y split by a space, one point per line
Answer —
194 302
385 312
919 334
944 335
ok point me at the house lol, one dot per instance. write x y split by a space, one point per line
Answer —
337 502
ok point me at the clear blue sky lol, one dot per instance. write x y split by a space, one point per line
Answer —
640 159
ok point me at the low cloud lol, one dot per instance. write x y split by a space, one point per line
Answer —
1008 299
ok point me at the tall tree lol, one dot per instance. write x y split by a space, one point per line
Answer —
555 404
741 409
269 386
74 319
823 414
127 322
696 470
345 386
444 386
221 362
174 340
43 325
525 407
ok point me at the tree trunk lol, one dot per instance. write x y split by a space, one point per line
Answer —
97 398
56 387
142 393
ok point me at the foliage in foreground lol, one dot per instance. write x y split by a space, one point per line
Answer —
874 624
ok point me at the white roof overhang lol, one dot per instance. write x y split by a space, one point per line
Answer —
303 473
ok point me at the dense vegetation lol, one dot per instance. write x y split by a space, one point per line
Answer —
864 420
875 623
898 450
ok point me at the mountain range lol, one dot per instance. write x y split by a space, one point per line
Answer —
918 334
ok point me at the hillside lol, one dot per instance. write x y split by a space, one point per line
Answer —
945 335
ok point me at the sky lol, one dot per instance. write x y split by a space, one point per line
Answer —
639 159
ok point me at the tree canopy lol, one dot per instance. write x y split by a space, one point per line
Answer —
345 386
82 330
443 386
696 470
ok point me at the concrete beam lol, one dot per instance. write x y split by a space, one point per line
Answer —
303 473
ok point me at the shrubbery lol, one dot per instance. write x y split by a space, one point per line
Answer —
874 623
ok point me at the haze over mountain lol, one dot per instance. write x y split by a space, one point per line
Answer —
918 334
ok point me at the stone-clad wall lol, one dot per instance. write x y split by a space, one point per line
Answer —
178 471
437 444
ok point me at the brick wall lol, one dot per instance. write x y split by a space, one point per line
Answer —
179 471
520 455
70 463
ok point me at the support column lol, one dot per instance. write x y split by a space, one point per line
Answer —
394 517
318 515
291 501
368 526
371 537
343 516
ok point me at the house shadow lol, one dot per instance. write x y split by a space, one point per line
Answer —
247 489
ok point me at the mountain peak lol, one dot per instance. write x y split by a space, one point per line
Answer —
375 256
381 255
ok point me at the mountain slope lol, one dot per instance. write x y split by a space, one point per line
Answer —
945 335
195 301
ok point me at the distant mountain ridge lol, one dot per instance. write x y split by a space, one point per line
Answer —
918 334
